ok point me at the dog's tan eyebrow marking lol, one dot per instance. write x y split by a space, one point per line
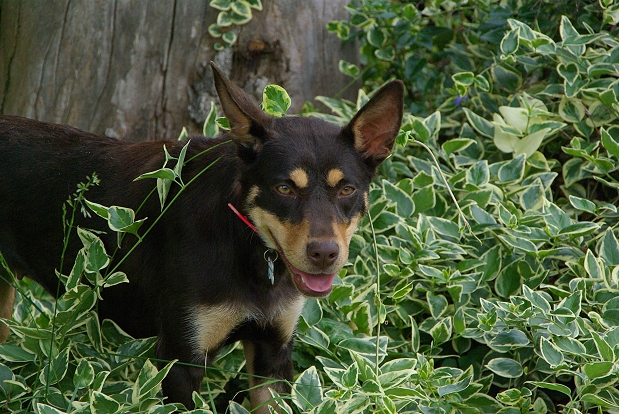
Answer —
334 176
299 177
253 194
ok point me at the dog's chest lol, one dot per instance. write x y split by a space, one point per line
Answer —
212 324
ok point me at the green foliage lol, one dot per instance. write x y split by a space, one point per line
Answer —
231 13
502 302
506 301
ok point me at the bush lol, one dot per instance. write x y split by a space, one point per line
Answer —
504 299
491 230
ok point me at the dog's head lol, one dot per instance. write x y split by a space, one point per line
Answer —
305 181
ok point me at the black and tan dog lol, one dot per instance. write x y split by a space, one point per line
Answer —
200 280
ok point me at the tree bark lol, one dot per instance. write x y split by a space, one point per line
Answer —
138 70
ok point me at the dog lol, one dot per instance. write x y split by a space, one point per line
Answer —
202 278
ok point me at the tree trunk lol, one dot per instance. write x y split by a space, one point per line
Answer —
138 70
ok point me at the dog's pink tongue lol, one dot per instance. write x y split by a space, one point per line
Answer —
318 283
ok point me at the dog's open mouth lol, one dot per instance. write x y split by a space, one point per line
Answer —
309 284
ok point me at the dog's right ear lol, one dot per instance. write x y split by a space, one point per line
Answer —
248 123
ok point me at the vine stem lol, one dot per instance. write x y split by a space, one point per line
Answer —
451 194
377 296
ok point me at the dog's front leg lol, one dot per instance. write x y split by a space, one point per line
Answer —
7 298
183 378
269 364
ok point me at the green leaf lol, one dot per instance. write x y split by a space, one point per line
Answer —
84 374
609 248
255 4
150 383
459 386
307 389
350 376
421 130
592 266
77 271
236 408
512 170
214 30
505 367
47 409
163 173
456 144
224 19
312 312
508 282
568 72
116 278
465 79
551 353
441 332
599 401
506 78
609 143
13 353
569 35
532 198
241 8
580 229
572 110
438 304
348 69
482 83
120 218
403 202
444 227
210 128
102 403
582 204
552 386
604 350
509 43
478 174
376 37
96 256
275 100
229 38
55 371
480 124
595 370
220 4
507 341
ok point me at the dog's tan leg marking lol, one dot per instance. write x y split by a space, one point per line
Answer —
212 326
259 387
285 319
7 300
299 177
334 176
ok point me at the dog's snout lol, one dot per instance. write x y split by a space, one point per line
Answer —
323 254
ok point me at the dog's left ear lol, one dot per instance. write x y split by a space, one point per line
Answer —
375 127
248 123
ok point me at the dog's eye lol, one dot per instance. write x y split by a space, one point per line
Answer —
347 190
284 189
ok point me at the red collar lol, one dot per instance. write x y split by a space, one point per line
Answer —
242 217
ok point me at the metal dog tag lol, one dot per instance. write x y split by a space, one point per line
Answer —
271 256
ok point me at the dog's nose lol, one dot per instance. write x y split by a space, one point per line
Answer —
323 254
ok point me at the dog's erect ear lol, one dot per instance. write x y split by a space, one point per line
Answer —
247 121
375 127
